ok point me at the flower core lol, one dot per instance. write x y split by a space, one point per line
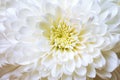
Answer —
64 37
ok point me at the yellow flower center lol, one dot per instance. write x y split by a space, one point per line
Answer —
64 37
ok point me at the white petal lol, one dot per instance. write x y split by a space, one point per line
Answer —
77 61
81 71
96 7
111 61
69 67
2 27
86 59
57 71
91 72
99 61
95 53
103 74
43 44
48 61
4 45
43 71
3 60
22 54
49 7
62 57
108 13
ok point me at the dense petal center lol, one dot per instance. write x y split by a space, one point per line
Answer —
63 37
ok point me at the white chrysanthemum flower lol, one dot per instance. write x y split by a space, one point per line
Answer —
59 39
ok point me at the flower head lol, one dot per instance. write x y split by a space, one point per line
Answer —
61 40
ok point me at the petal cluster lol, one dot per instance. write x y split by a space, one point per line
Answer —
59 39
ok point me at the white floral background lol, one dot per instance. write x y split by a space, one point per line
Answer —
59 39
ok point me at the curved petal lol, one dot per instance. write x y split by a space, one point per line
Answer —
91 72
81 71
111 58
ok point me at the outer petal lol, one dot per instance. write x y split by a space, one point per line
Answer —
111 58
91 72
